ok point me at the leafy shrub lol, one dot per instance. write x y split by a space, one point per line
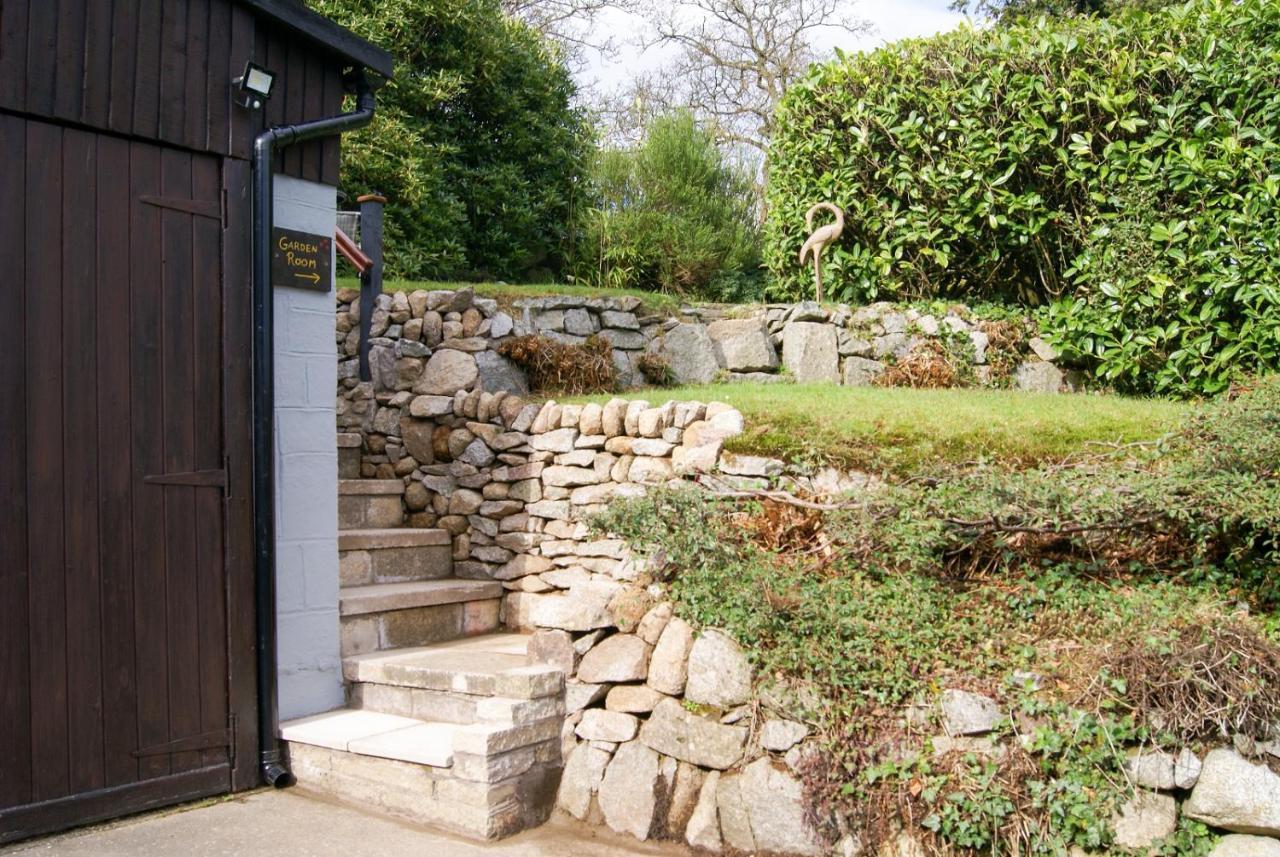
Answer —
673 215
561 367
1006 11
1201 506
1062 591
1124 170
844 644
476 143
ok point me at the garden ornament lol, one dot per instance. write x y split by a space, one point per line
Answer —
819 240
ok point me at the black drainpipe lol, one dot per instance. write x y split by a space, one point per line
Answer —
274 772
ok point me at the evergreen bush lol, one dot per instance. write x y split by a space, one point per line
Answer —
476 143
673 214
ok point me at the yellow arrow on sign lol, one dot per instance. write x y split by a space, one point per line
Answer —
315 278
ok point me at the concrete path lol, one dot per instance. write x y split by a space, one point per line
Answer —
294 823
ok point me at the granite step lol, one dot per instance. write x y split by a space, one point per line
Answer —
370 733
457 706
493 665
384 616
484 781
393 555
370 503
385 597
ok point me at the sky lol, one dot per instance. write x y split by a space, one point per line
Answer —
891 20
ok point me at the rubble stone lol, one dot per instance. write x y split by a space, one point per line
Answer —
719 672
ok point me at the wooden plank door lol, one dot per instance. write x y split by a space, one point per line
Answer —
115 679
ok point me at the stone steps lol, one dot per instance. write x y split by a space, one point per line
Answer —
449 707
463 735
494 665
369 733
382 616
365 504
393 555
447 724
480 780
388 597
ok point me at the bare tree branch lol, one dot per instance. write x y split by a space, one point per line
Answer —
571 23
736 58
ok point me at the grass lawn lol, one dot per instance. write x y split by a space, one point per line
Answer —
507 293
905 431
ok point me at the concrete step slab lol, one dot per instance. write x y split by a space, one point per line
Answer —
369 733
468 669
424 744
392 537
372 733
369 487
483 747
385 597
448 707
498 644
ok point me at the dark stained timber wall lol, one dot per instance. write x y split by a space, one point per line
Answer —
116 685
162 70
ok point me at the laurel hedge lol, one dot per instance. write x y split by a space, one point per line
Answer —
1123 174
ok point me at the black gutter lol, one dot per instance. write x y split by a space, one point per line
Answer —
274 772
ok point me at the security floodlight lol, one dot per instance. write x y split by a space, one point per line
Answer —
254 86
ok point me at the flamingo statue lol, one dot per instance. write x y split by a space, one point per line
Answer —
819 240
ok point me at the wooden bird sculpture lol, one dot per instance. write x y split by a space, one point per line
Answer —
819 240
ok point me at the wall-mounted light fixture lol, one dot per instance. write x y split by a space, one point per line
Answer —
254 86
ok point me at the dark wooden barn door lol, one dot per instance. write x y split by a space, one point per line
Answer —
116 692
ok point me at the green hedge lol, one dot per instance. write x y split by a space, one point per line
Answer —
1124 171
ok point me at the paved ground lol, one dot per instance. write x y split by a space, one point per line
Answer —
294 823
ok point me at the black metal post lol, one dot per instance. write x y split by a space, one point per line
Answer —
371 280
271 761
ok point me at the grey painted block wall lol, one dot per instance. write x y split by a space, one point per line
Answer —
306 460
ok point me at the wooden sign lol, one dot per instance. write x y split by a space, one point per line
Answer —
301 260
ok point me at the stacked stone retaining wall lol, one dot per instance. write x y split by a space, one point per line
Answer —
430 345
669 732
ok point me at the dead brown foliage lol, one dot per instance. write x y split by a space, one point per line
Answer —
927 367
795 534
785 528
891 805
897 804
656 370
1112 549
1006 345
1202 683
557 367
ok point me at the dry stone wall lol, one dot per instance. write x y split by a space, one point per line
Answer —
426 347
809 343
660 740
669 734
440 342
